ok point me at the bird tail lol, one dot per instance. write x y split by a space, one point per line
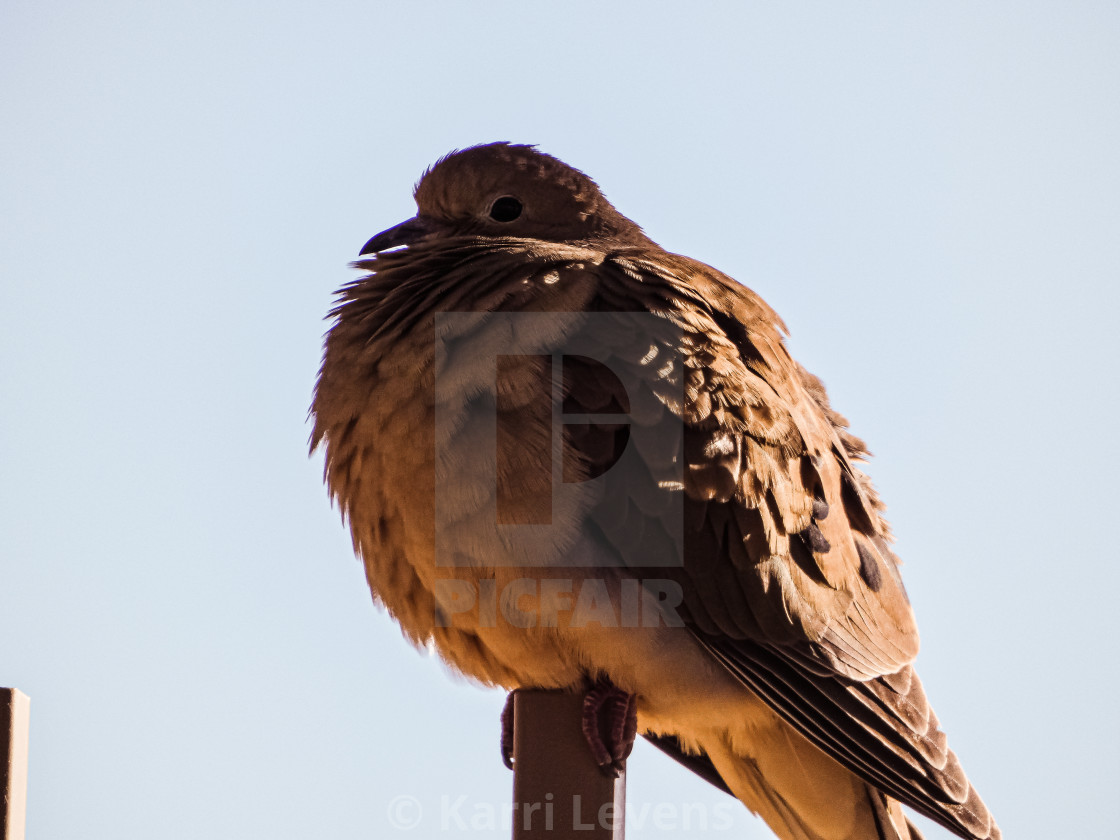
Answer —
889 819
809 797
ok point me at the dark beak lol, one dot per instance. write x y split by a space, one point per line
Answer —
403 234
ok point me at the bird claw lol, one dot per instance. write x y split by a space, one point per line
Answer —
507 731
610 725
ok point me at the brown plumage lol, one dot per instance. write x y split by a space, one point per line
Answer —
787 672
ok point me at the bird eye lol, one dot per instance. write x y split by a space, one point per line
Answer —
505 209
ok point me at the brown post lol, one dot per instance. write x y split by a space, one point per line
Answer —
14 709
559 792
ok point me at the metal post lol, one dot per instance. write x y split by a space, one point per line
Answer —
559 792
14 716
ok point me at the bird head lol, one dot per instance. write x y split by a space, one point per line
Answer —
506 190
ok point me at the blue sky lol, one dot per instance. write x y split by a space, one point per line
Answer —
927 193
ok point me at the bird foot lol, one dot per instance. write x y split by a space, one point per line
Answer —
610 725
507 731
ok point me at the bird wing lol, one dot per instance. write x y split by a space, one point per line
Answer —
788 577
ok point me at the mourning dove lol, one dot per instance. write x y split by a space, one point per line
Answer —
571 459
